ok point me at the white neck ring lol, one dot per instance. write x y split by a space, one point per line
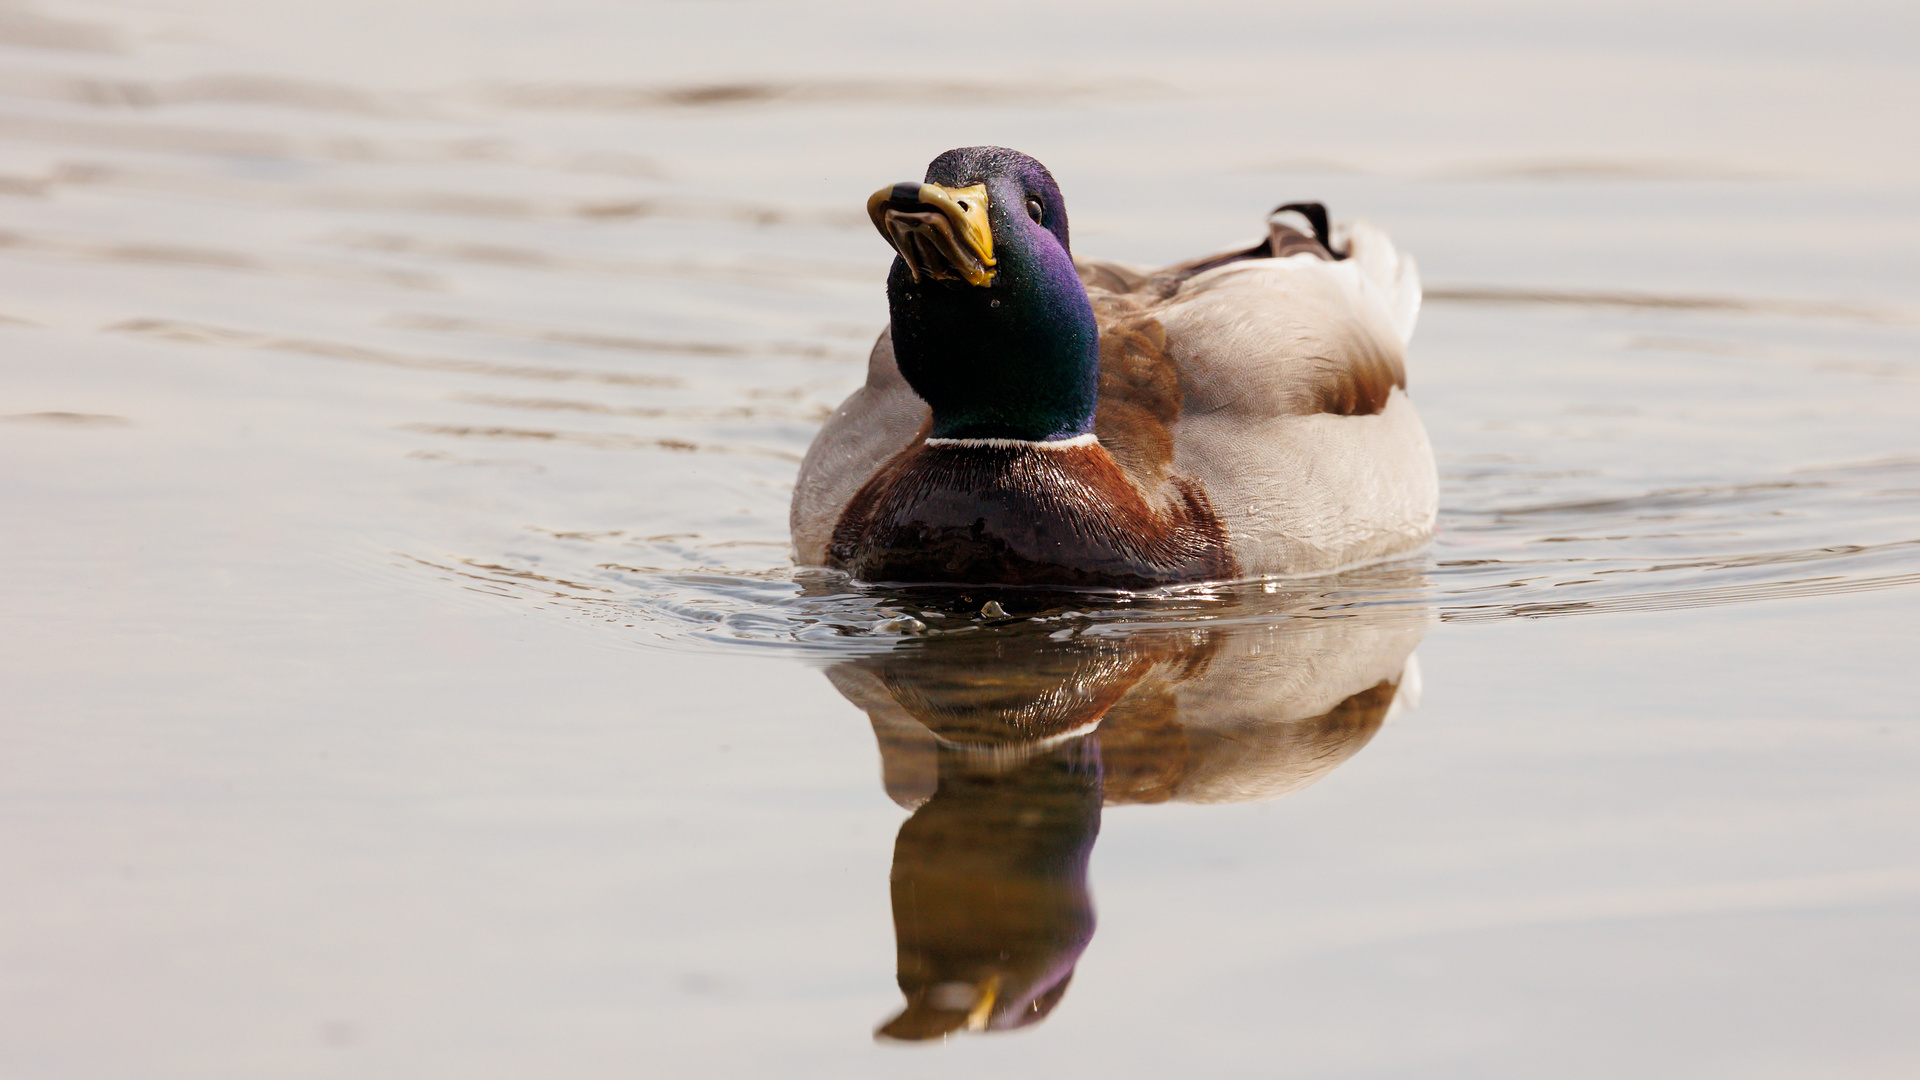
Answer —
1015 444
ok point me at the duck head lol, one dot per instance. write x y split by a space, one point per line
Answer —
991 325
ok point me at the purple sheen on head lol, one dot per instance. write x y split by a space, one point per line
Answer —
1017 358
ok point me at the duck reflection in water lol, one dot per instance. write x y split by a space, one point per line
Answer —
1006 738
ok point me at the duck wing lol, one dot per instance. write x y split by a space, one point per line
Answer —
1273 378
876 422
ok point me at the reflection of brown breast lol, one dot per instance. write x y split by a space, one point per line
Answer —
1022 515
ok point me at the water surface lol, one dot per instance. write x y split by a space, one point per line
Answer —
406 675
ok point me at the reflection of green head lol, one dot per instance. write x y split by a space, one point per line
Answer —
990 903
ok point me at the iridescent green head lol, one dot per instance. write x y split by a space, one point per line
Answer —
991 325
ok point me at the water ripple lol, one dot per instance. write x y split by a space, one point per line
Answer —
1667 549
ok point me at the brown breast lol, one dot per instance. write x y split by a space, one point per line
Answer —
1023 515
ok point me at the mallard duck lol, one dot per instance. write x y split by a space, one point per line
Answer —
1031 420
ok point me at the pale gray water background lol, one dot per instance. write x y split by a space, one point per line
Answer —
403 671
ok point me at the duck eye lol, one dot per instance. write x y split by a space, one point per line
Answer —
1033 209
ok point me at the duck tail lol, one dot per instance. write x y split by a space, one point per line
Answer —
1390 271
